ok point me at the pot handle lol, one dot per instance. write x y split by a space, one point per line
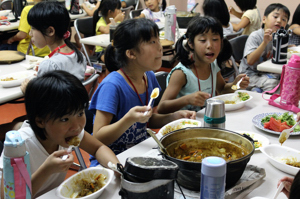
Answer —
248 137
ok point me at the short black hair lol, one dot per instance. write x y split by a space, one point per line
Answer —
217 9
246 4
53 95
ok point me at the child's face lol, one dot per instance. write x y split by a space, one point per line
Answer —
152 4
207 46
275 20
60 131
37 38
115 13
149 54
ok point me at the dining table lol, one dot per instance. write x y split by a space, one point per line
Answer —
236 120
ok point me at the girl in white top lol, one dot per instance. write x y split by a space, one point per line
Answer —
250 18
154 11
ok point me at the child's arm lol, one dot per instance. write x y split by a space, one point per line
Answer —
256 54
142 15
88 11
295 28
169 103
235 13
17 37
97 149
53 164
105 29
242 24
159 120
223 87
108 133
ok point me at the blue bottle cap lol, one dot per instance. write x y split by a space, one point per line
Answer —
13 139
213 166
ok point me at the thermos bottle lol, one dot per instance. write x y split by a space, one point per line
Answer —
214 113
16 167
280 46
213 176
170 23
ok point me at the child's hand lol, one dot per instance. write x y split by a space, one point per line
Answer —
231 10
120 17
198 98
54 163
24 85
136 114
244 83
268 35
287 185
184 114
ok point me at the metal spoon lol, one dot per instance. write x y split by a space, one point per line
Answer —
285 134
152 134
193 9
154 95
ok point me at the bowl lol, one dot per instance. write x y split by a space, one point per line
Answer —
232 97
15 79
183 18
177 124
293 50
4 12
67 189
277 155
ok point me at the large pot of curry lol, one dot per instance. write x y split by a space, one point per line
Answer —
187 147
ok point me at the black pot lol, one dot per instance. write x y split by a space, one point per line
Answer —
183 18
189 174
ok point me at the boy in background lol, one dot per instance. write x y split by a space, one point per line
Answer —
258 48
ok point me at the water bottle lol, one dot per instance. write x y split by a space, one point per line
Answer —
170 23
16 167
280 46
215 113
213 176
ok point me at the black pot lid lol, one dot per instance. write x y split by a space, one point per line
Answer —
149 168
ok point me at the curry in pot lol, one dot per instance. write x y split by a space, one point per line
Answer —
194 150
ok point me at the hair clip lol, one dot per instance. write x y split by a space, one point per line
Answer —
184 41
67 35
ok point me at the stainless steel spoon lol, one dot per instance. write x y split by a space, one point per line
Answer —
152 134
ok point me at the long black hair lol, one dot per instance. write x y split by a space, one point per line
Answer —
53 95
128 35
217 9
296 16
197 25
45 14
245 4
103 9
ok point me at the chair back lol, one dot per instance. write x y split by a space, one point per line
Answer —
238 45
134 3
233 35
90 83
135 13
161 77
127 11
84 26
6 5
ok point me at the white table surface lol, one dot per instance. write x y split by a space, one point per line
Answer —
238 120
268 66
7 94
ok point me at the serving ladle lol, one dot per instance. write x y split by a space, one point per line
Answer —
152 134
154 95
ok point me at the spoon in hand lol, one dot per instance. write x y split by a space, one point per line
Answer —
285 134
69 150
154 95
279 189
237 86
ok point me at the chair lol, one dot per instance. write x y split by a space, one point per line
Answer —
233 35
161 77
238 45
135 13
134 3
91 83
127 11
6 5
85 26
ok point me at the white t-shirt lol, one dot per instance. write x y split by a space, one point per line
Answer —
38 155
228 30
154 16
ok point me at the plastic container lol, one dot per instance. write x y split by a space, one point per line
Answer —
112 29
213 176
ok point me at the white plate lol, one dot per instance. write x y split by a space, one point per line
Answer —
65 190
19 77
296 51
177 124
276 152
4 12
257 122
255 136
233 97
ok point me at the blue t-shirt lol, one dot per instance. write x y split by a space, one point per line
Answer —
115 96
192 83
